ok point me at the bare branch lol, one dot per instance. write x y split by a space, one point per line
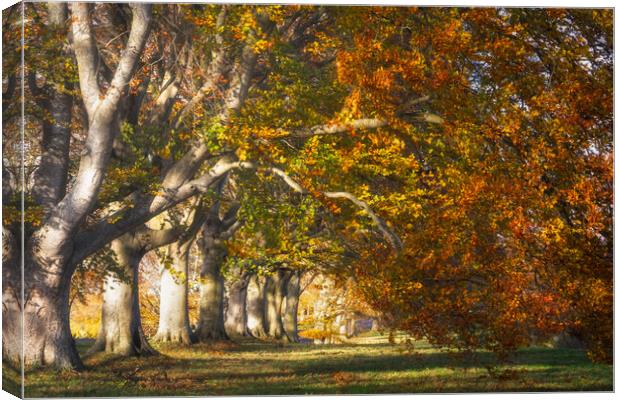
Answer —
79 201
215 72
85 50
230 217
364 123
156 238
430 118
387 233
140 25
228 233
145 208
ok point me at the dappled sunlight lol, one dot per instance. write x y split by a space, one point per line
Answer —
225 199
251 367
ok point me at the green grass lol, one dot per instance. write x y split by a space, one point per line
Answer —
11 378
368 366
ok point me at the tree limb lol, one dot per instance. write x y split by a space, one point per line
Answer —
387 233
140 25
80 200
156 238
366 123
143 208
216 71
319 130
228 233
85 50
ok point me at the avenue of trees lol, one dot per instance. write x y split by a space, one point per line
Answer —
455 163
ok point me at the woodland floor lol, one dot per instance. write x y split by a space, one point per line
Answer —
366 365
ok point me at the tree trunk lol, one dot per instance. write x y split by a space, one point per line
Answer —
350 327
211 314
291 304
255 306
121 326
12 344
46 336
48 264
376 325
173 309
274 296
50 177
236 318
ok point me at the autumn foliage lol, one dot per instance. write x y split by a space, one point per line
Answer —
508 226
458 162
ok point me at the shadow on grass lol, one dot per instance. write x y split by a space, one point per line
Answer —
11 378
339 360
252 367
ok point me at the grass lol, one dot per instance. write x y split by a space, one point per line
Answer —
367 365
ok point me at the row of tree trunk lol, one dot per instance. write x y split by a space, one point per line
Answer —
262 306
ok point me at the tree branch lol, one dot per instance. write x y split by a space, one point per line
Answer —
156 238
230 217
216 70
387 233
228 233
85 50
80 200
140 25
319 130
366 123
144 208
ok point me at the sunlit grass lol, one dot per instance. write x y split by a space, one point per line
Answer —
370 365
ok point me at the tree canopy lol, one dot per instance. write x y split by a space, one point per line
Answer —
457 161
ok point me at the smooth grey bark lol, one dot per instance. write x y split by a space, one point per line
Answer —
345 324
210 324
236 318
255 306
47 333
50 177
48 262
215 231
376 325
290 307
121 324
271 315
274 296
12 327
61 243
178 180
173 306
173 302
350 332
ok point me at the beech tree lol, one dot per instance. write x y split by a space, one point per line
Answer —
235 319
290 306
215 231
504 176
255 306
121 325
49 259
487 130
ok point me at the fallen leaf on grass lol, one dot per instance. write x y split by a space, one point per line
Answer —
343 378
